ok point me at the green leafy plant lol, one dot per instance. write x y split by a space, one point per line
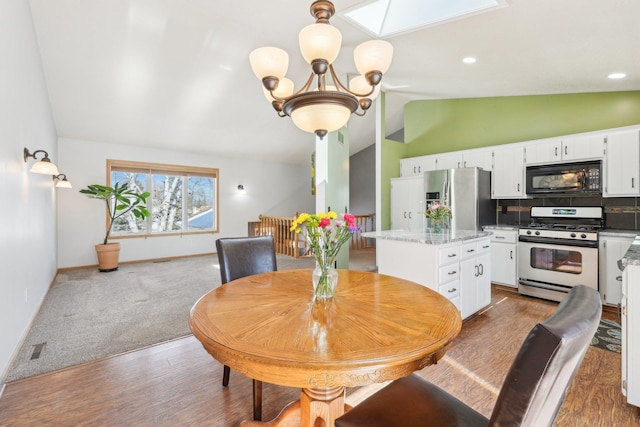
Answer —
120 200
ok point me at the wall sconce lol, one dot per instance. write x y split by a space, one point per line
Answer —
241 188
44 166
62 181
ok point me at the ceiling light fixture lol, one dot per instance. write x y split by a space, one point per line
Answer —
62 181
44 166
324 108
469 60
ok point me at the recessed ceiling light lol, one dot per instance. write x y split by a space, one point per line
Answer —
469 60
617 75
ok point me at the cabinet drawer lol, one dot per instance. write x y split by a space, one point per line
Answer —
448 255
450 290
504 236
469 249
483 246
448 273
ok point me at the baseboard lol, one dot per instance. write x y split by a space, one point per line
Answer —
82 267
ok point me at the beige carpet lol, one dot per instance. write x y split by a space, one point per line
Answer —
88 315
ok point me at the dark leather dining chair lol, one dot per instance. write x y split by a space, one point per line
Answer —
532 392
240 257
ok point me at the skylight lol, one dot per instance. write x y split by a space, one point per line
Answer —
384 18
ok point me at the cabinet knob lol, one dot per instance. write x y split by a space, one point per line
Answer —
452 272
452 290
619 278
451 255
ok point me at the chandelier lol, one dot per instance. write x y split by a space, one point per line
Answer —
322 107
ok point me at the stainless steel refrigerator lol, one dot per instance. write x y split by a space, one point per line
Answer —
467 191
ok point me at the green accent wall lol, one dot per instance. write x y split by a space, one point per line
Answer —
437 126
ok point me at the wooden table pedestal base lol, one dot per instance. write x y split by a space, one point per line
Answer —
315 404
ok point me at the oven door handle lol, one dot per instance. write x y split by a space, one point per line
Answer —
564 242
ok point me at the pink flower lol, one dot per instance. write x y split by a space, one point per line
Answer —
350 219
324 222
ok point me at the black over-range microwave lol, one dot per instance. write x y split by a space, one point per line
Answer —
580 178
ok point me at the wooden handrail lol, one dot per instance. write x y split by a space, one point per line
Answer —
290 243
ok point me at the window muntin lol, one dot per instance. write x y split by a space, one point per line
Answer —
183 199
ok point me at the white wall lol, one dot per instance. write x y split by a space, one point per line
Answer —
27 217
271 189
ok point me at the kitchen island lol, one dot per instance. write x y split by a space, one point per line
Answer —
457 264
631 323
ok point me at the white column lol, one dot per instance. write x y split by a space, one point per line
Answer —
332 179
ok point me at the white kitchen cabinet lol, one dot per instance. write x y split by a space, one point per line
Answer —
407 201
631 334
582 147
565 149
481 158
507 178
610 281
417 166
475 276
504 262
449 160
622 164
439 267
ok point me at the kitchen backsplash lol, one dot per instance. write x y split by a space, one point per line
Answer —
620 213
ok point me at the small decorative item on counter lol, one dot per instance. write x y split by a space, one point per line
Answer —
325 235
438 216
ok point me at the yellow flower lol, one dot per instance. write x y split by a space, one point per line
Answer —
332 215
322 215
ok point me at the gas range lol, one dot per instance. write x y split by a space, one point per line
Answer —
569 223
559 250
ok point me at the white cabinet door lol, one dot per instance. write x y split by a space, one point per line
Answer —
586 147
407 201
622 164
417 166
546 151
482 159
507 179
503 264
475 277
610 251
449 160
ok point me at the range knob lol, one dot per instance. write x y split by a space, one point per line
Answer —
529 232
574 234
537 233
584 236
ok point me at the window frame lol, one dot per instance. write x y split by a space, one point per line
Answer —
159 168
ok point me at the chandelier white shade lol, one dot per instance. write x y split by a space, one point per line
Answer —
269 61
320 41
322 107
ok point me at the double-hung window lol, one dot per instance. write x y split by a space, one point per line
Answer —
182 199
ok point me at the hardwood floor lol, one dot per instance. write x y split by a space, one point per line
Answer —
178 384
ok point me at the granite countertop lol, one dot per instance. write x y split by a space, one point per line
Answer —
617 232
632 257
429 238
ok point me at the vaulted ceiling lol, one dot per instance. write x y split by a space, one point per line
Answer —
175 74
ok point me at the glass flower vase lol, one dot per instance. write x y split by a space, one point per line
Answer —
437 225
325 280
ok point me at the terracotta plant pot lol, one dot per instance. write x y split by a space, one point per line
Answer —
108 256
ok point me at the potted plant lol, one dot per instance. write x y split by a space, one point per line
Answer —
120 201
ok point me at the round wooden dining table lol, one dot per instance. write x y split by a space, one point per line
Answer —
376 328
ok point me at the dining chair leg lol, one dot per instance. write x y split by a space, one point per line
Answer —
257 400
225 375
